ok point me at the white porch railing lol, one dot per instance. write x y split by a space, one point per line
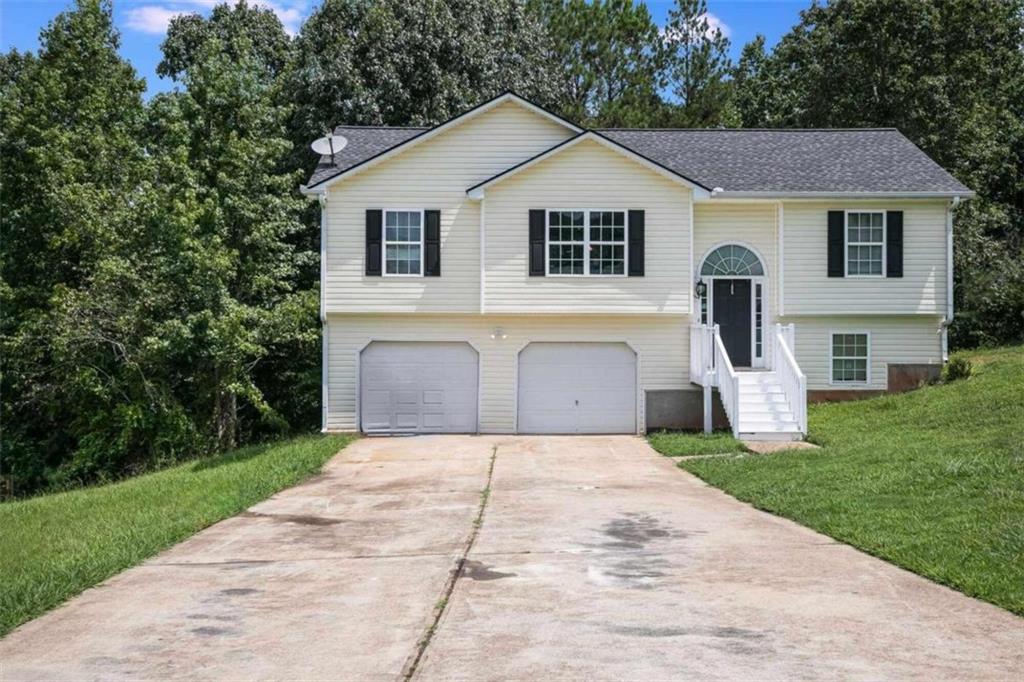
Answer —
702 354
728 383
794 383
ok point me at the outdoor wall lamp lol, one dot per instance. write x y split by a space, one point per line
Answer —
700 288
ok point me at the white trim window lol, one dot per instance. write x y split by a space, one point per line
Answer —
586 243
865 243
403 243
851 358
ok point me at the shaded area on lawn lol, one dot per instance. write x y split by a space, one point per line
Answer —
53 547
932 480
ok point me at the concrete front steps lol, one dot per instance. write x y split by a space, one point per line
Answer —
765 414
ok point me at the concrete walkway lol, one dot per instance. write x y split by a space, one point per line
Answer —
595 558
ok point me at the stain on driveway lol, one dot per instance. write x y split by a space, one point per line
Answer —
596 559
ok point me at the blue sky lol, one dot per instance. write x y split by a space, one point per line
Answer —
143 23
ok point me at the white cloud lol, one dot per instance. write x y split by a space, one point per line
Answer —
716 23
154 18
150 19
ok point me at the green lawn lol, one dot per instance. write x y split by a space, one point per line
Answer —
682 444
931 480
54 546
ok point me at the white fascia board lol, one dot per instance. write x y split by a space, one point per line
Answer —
437 130
477 191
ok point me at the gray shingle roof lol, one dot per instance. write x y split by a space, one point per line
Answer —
738 160
364 142
824 160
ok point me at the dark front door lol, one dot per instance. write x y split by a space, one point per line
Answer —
731 310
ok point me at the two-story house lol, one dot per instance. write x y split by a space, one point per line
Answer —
510 272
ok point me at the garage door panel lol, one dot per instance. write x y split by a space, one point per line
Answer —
577 388
412 387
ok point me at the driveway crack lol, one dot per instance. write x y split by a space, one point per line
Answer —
453 577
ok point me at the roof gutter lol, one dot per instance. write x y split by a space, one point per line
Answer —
722 195
312 193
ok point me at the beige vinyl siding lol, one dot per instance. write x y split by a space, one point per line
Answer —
588 176
893 340
750 225
431 175
661 342
809 290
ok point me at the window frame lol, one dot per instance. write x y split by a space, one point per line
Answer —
846 243
384 242
586 242
832 358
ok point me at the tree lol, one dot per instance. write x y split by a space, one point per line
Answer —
240 30
409 63
229 130
607 60
752 85
72 177
699 67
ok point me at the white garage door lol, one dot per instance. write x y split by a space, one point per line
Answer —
577 388
418 387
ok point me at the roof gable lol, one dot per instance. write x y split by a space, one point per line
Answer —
369 145
477 191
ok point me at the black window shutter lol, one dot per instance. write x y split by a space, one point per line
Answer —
836 244
432 243
537 227
894 243
373 225
636 243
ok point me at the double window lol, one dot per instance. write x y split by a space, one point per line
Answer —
865 243
850 358
586 242
403 243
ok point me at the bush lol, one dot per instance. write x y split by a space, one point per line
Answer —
958 367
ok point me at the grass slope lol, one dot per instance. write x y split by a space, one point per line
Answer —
931 480
53 547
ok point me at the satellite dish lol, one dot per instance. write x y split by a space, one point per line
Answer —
329 145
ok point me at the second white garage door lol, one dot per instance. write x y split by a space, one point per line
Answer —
577 388
418 387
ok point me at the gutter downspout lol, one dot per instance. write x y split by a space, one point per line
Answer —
948 319
324 330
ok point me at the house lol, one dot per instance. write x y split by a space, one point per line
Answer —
511 272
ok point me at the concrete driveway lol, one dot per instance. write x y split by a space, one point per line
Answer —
588 558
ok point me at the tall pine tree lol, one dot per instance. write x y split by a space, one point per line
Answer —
606 59
699 68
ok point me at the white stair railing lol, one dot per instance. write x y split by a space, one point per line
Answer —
701 353
728 382
794 382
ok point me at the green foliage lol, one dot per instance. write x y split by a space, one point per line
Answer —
151 256
931 480
698 66
55 546
958 367
244 31
607 61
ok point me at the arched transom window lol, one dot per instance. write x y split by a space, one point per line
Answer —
732 260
